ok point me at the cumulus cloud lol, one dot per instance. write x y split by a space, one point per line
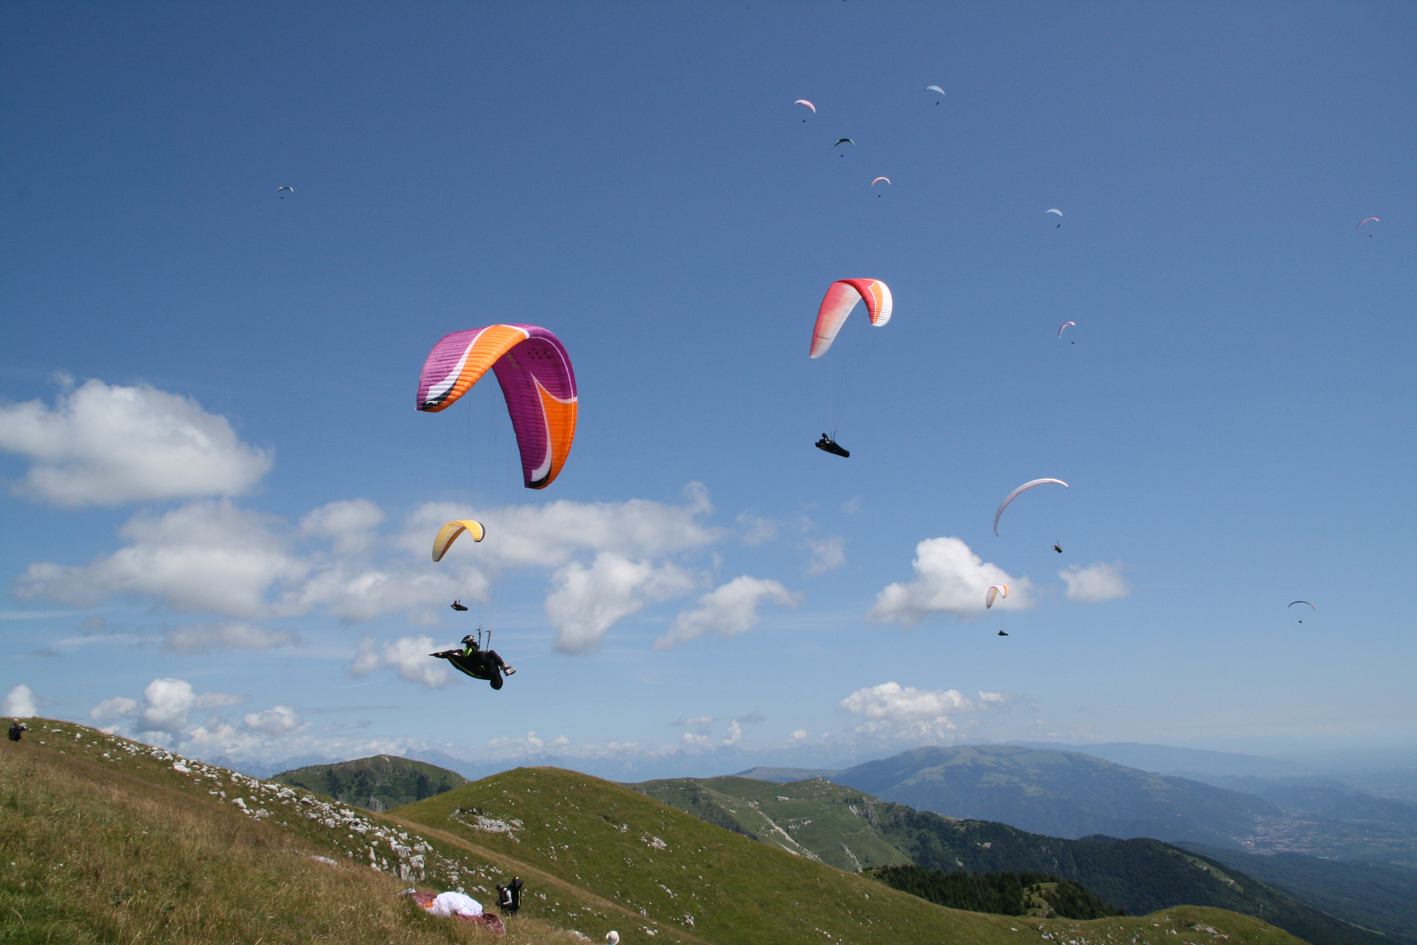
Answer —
407 655
893 709
828 554
204 557
233 635
165 707
607 561
213 557
348 524
19 703
1094 583
949 578
901 711
755 717
277 720
550 535
729 609
589 601
102 445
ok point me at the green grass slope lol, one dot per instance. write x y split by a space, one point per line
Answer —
104 840
814 819
836 824
724 888
1378 896
376 783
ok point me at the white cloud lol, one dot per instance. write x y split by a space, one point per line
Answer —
165 707
893 710
828 554
408 655
798 736
232 635
348 524
735 734
19 703
102 445
277 720
729 609
587 602
212 557
204 557
949 578
610 560
549 535
897 703
1095 583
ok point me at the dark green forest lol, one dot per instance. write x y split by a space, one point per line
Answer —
1026 893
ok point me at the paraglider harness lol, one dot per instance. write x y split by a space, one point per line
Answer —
828 445
475 661
509 896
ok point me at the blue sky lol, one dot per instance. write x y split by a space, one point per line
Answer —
218 495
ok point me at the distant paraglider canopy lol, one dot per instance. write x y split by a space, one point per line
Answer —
879 179
1065 325
995 590
841 141
1015 494
934 88
1054 210
1311 606
535 372
840 299
1369 220
449 533
803 101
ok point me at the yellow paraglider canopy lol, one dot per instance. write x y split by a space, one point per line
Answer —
449 533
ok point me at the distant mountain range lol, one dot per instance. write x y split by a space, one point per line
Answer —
1074 794
1059 794
846 828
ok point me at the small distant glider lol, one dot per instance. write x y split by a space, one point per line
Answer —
803 101
1310 606
1054 210
1065 325
1015 494
879 179
934 88
1369 220
841 141
995 590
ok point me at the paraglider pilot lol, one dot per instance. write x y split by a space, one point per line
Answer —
509 897
827 444
16 728
477 662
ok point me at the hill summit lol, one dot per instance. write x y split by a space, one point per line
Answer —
376 783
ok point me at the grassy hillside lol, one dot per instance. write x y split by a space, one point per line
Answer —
1378 896
107 840
814 819
376 783
1059 794
724 888
843 827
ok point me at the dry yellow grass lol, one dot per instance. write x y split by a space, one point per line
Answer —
93 854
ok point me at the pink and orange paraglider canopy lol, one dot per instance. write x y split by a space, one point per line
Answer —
840 299
535 372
